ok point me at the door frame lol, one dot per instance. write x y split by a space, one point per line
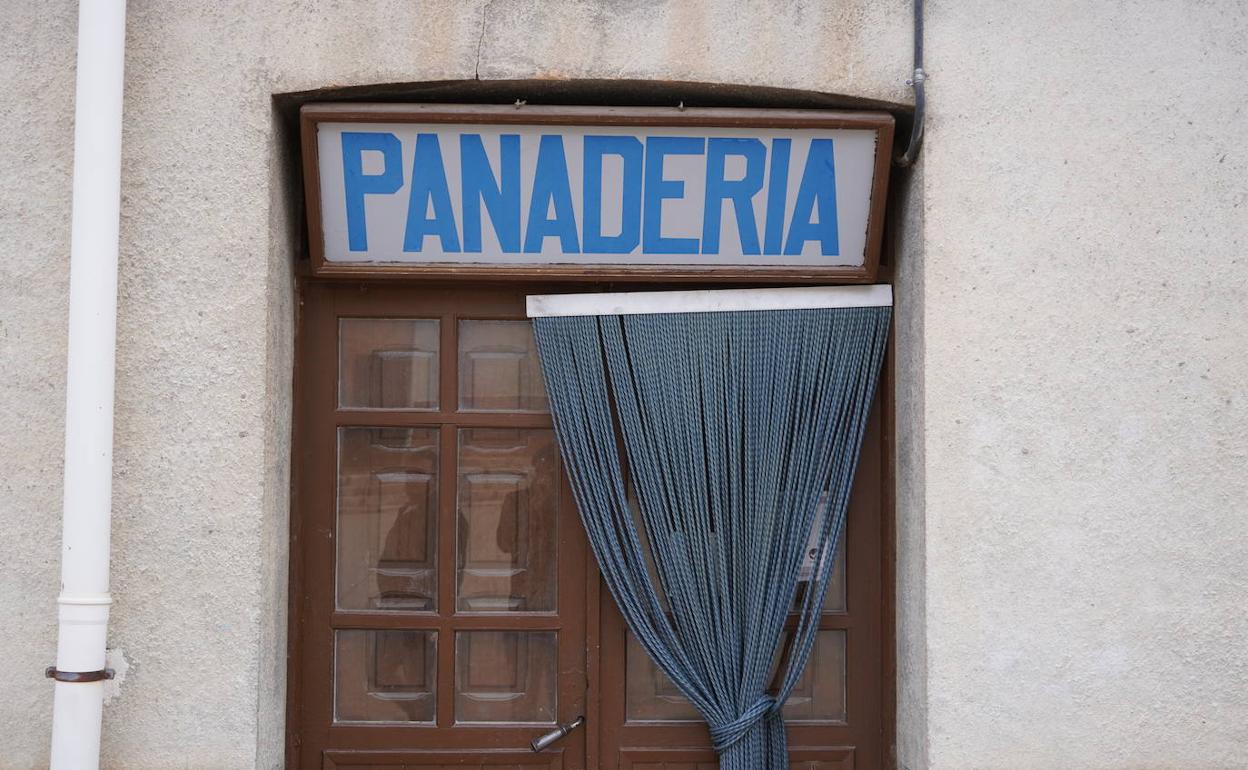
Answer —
296 616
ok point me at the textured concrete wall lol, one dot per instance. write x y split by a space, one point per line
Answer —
909 381
36 134
1071 418
1086 426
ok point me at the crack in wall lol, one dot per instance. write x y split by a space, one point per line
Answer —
476 71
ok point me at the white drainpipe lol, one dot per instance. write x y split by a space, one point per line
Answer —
84 599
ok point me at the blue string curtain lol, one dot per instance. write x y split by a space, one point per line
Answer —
741 432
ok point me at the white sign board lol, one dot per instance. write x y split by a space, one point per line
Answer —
460 191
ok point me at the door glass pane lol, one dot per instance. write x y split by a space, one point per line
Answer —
498 368
834 598
387 519
650 695
388 363
505 676
385 676
819 695
508 499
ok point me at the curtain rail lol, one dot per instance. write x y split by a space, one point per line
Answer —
708 301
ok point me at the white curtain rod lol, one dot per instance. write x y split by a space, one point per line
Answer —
708 301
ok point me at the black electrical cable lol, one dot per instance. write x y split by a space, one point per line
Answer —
920 100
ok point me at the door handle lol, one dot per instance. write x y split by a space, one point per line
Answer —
544 741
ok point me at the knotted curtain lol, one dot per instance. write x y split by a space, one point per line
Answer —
736 433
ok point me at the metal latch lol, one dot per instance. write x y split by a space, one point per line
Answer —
544 741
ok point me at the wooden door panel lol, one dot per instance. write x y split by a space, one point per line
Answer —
552 759
668 759
388 363
384 676
509 482
386 528
812 758
838 701
498 367
506 676
442 597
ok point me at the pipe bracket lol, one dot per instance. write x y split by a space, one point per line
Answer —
78 677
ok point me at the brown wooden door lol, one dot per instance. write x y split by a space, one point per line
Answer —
835 715
443 588
446 610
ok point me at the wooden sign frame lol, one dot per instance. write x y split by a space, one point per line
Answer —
313 114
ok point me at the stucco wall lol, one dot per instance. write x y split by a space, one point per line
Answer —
1072 426
36 127
909 381
1085 285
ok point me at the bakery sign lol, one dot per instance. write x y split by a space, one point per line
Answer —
611 193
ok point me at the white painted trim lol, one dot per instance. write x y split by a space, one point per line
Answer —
708 301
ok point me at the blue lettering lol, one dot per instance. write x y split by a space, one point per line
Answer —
550 186
501 196
777 195
356 184
657 189
739 191
818 189
429 185
630 151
